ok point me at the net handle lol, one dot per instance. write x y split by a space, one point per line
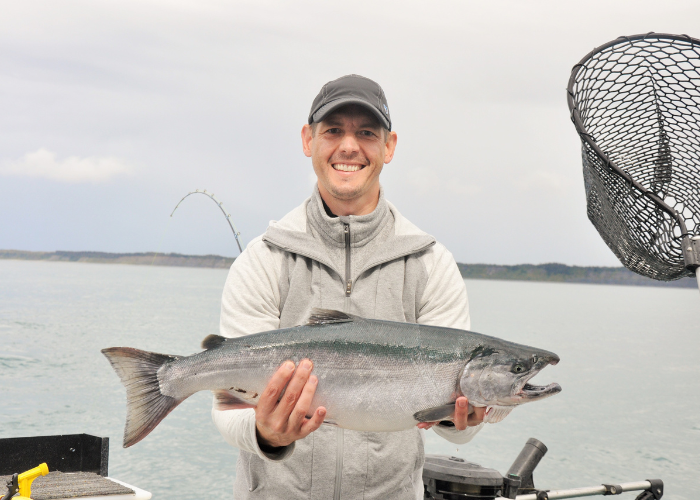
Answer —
581 129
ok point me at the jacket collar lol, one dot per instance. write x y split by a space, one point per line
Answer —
363 228
309 231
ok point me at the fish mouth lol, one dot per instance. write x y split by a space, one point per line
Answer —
530 391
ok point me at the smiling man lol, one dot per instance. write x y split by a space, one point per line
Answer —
349 249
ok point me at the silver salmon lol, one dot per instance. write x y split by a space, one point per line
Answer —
372 375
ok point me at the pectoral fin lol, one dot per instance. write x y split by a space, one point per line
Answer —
235 399
444 412
495 414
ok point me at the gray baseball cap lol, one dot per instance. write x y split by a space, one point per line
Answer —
351 89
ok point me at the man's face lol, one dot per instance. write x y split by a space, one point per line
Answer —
348 151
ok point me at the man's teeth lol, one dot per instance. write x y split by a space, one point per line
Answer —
346 168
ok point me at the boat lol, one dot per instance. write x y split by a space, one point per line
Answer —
453 478
61 467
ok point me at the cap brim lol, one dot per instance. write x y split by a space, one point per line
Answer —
327 109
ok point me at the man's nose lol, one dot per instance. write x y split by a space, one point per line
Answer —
349 144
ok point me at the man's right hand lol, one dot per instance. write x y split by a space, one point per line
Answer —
280 422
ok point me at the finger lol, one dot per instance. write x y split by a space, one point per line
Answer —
461 413
298 416
269 397
426 425
313 423
293 391
477 417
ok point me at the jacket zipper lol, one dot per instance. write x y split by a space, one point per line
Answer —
340 439
340 436
348 277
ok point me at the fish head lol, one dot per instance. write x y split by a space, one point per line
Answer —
500 375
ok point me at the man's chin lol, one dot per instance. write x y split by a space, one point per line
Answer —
345 194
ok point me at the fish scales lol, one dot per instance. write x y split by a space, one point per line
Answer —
389 369
373 375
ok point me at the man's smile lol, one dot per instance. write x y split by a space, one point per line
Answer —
345 167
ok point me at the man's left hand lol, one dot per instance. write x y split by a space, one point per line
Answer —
462 418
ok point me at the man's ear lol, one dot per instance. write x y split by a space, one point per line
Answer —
391 140
307 138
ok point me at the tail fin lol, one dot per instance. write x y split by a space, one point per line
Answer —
145 405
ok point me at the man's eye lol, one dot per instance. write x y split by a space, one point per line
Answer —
367 133
333 131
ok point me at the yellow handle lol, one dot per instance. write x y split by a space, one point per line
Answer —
24 480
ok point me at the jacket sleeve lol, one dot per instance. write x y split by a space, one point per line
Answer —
250 304
238 429
251 298
444 303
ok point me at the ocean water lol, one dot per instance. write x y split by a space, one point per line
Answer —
629 409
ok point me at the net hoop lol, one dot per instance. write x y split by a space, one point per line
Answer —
659 246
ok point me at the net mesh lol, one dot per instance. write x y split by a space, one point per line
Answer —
636 105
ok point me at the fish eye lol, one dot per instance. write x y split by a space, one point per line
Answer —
518 368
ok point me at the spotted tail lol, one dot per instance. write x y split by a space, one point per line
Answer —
145 405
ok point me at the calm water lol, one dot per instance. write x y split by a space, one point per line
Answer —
629 409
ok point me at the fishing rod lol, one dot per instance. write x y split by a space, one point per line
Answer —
236 234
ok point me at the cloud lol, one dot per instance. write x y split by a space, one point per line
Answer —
44 164
426 181
545 180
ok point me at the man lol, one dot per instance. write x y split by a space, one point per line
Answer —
345 248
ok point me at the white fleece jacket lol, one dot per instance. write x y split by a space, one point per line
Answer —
396 272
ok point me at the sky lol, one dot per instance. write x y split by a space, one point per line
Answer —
112 111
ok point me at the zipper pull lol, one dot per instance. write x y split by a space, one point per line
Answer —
348 287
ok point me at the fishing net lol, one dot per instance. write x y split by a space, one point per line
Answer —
635 103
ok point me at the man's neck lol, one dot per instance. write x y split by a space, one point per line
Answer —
328 211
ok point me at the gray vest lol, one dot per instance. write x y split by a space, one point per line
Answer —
358 265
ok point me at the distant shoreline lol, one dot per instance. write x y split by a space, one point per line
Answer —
139 259
551 272
567 274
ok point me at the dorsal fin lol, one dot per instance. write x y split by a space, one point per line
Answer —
212 340
328 316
